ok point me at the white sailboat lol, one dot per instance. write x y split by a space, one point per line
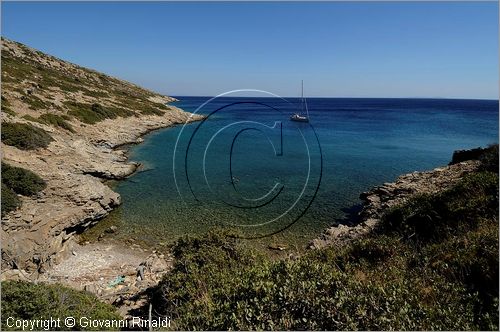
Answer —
299 116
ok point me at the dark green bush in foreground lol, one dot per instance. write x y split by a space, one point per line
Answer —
428 218
16 180
23 300
434 265
21 181
24 136
10 201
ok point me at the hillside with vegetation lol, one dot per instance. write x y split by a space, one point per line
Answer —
43 89
61 124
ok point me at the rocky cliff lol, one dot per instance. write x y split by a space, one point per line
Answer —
86 115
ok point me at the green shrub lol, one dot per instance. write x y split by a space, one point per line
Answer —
218 284
21 181
489 159
6 107
96 94
372 250
22 300
52 119
119 111
471 260
9 200
435 217
56 120
142 105
30 118
455 234
16 180
25 136
90 114
35 103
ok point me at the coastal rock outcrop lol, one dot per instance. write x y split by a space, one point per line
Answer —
87 115
380 199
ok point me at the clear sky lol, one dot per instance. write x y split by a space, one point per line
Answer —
339 49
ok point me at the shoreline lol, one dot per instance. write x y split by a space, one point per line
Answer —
379 199
109 269
93 265
114 259
78 194
126 146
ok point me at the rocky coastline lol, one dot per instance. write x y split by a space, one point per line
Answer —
84 117
43 246
75 167
382 198
39 239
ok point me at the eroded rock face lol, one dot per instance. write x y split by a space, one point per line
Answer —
75 198
82 154
380 199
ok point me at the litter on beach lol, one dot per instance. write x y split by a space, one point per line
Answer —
117 281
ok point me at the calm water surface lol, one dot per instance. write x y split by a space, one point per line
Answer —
223 181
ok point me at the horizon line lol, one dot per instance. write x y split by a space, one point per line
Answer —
328 97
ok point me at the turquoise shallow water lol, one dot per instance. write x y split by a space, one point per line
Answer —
311 173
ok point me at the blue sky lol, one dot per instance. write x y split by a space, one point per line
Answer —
338 49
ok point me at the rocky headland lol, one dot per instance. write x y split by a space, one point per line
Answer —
380 199
86 115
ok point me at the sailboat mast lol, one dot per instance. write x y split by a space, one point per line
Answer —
302 95
304 101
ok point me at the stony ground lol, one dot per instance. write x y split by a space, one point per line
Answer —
110 270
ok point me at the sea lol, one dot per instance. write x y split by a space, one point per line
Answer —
246 168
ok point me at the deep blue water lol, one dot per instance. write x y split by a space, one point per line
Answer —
362 143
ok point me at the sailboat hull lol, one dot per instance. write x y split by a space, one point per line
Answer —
299 118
